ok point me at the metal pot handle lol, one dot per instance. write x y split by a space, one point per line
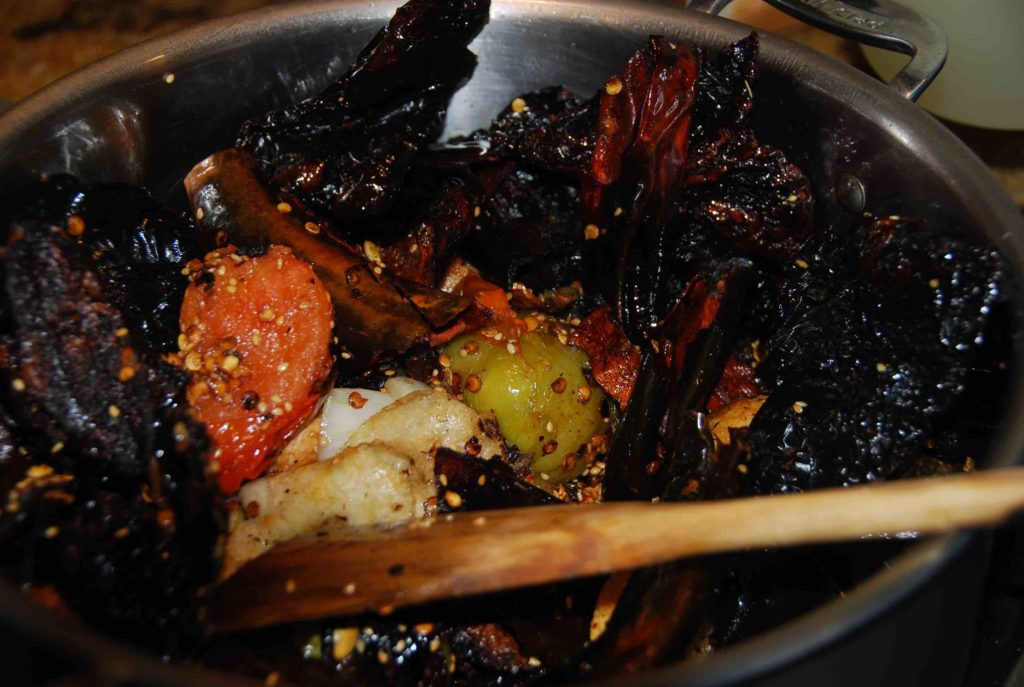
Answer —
879 23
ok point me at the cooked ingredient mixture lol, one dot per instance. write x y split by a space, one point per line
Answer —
625 296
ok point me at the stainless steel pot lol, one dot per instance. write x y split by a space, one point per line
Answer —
147 114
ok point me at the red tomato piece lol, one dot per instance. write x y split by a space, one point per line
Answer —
256 336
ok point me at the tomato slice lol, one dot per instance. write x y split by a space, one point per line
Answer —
256 336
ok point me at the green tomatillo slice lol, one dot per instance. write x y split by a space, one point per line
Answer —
536 388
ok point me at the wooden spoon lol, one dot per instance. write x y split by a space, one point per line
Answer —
341 572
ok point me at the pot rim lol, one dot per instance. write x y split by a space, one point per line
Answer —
803 636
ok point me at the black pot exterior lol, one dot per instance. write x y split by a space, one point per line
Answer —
147 114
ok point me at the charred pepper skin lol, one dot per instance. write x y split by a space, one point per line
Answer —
138 246
875 340
346 152
109 502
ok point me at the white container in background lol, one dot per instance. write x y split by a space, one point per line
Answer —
982 83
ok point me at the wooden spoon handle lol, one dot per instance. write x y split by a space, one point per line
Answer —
340 572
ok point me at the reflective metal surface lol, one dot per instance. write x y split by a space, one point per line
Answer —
149 113
882 24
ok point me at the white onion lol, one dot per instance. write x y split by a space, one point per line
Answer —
341 418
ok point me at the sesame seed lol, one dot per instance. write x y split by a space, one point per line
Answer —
267 315
533 661
343 641
57 447
591 232
345 355
289 586
799 406
742 468
122 332
881 367
614 86
114 411
518 105
618 212
284 207
453 499
51 531
200 214
550 426
934 283
76 225
512 348
792 198
350 588
255 338
476 211
382 656
481 480
801 263
169 78
443 479
18 384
